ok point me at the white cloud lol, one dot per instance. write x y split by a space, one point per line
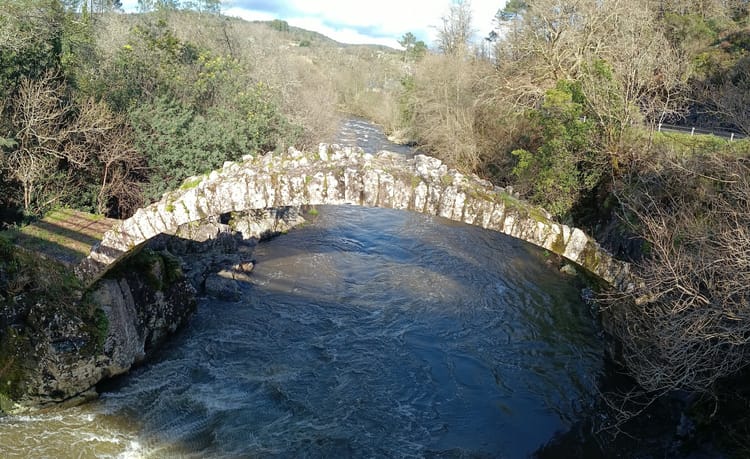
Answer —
395 17
349 21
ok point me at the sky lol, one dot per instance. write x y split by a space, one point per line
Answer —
355 21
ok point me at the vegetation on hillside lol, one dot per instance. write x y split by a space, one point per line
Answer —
104 111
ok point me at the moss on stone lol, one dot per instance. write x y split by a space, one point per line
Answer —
172 271
559 245
589 257
14 351
160 269
185 208
95 324
192 182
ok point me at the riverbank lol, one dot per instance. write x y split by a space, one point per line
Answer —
58 341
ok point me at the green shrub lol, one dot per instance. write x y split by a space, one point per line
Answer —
564 166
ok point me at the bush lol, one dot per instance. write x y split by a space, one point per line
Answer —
686 323
178 142
564 166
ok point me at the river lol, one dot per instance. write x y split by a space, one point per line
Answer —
364 333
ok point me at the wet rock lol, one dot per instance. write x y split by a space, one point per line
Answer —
244 267
222 286
568 269
130 314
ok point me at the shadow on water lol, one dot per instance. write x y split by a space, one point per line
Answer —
296 392
373 345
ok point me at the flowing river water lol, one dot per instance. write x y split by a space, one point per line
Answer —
365 333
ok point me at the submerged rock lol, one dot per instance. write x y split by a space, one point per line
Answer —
568 269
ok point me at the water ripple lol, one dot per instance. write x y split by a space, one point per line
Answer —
368 333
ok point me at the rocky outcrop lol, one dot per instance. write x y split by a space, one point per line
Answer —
337 176
117 324
57 352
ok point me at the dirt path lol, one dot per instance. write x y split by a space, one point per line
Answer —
64 235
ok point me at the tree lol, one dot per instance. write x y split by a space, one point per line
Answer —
727 95
166 5
627 69
203 6
564 166
31 41
56 141
686 323
414 49
144 6
454 34
512 10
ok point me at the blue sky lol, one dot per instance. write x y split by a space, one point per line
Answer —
355 21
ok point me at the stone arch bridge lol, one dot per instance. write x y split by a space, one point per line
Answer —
337 176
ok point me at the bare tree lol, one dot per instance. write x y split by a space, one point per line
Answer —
39 113
55 136
686 324
112 157
728 95
454 34
627 70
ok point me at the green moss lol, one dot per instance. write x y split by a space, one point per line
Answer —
415 181
6 404
172 269
146 262
507 200
559 245
312 211
65 214
169 207
14 352
6 247
191 182
101 328
446 180
590 257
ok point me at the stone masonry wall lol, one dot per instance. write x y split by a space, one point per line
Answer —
337 176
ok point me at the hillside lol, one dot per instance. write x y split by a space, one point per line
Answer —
134 103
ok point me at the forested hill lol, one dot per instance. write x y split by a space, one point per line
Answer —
303 37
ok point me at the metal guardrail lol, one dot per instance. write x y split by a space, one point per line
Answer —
661 127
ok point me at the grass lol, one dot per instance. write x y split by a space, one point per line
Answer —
685 144
64 235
